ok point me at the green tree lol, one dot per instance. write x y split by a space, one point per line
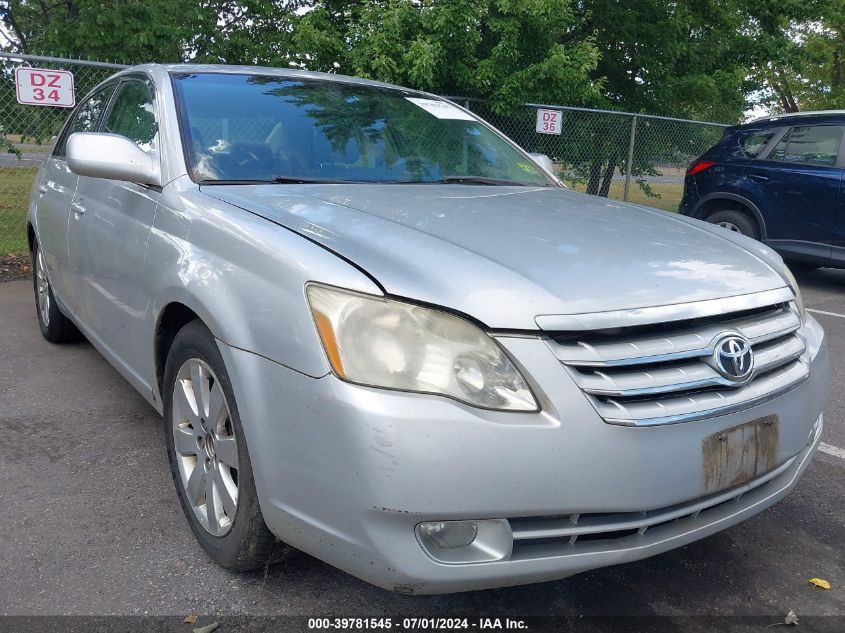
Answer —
682 59
116 30
137 31
503 50
807 71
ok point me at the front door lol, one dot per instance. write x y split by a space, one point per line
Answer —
55 190
109 229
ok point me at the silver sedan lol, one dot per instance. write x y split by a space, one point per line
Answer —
380 332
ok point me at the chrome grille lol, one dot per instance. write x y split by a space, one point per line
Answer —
664 374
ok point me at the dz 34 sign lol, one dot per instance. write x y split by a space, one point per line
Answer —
36 86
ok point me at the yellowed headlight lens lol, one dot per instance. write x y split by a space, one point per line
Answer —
799 300
382 342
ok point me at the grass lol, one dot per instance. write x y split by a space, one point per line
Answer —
668 194
668 200
15 186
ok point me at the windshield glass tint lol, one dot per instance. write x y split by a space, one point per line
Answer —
248 127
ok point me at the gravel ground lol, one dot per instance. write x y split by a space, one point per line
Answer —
14 267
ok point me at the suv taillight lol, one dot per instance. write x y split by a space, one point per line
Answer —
699 166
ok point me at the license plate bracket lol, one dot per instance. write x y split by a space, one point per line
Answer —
736 455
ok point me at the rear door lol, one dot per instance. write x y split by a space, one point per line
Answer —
56 188
797 187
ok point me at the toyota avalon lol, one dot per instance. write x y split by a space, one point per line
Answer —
381 333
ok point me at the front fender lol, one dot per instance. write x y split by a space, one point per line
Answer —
243 276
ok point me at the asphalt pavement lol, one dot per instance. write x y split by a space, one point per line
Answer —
90 523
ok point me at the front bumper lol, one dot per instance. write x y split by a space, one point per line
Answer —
346 473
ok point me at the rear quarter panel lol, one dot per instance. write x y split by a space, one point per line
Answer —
727 175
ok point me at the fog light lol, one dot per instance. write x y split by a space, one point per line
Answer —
464 542
449 534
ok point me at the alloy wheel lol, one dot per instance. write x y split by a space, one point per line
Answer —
42 285
730 226
206 447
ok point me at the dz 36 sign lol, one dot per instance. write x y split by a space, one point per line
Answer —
37 86
548 121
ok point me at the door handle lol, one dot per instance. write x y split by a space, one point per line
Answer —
77 208
758 177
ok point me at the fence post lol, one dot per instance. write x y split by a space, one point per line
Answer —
630 157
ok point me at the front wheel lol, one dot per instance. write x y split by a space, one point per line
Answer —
208 455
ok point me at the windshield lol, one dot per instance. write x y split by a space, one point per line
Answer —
282 129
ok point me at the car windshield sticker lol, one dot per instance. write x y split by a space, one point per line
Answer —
441 109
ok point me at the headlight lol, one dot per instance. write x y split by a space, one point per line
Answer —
383 343
799 300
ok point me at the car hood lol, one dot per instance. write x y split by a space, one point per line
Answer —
505 255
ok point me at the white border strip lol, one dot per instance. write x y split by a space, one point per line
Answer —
832 450
834 314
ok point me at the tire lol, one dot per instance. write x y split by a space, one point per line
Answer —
54 326
232 530
737 221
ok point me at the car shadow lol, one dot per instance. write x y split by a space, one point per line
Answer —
820 278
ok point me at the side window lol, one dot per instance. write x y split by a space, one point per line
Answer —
133 115
815 145
85 119
754 142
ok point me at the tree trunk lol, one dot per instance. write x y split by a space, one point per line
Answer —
784 92
609 170
594 179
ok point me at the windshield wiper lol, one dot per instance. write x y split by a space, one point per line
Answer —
299 180
464 180
275 180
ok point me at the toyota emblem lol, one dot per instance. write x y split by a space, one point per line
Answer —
734 358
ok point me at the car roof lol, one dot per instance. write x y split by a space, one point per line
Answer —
293 73
815 116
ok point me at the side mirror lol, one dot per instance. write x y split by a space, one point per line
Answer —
544 161
111 156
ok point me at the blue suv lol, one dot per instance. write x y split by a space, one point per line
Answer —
780 180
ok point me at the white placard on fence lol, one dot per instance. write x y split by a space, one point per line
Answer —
548 121
38 86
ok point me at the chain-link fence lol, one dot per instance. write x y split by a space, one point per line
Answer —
634 157
639 158
26 137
